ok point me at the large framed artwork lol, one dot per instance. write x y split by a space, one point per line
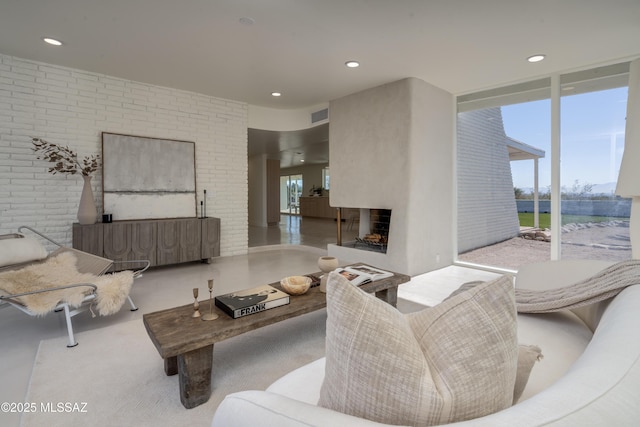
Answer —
148 178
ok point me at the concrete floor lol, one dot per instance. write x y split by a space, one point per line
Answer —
295 230
293 247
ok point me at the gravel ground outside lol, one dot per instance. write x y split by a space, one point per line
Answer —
597 241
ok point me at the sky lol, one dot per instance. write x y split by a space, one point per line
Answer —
592 137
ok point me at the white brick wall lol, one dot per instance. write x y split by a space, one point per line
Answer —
487 210
72 107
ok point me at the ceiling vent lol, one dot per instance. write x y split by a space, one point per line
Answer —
319 116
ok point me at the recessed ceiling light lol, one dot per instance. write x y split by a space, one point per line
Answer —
536 58
276 94
352 64
52 41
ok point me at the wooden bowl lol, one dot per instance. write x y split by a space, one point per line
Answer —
296 285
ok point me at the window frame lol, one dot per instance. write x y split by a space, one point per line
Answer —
550 87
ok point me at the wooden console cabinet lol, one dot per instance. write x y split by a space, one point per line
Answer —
161 241
316 207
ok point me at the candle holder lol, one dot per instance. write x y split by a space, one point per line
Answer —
210 315
196 304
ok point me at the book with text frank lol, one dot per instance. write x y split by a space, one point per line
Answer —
361 274
250 301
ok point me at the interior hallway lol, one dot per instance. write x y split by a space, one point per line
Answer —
296 230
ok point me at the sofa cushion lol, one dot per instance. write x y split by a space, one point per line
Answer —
563 338
447 363
303 384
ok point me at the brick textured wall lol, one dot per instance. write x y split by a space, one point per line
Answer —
486 203
72 107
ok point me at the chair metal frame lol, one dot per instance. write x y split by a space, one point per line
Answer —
69 312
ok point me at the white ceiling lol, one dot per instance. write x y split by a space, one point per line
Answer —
298 47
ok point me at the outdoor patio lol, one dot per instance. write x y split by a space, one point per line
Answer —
597 241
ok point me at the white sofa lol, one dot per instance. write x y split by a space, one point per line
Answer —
590 374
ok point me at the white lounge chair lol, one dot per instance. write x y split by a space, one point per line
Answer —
23 260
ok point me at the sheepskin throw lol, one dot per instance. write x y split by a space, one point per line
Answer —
605 284
60 270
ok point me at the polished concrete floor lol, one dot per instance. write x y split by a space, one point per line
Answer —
291 248
296 230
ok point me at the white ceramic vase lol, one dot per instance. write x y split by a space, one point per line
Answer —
326 264
87 212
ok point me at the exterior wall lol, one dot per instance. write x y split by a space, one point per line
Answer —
72 107
618 208
486 204
390 148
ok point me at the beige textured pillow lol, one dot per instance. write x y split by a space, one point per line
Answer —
448 363
528 355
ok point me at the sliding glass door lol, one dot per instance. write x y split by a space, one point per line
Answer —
290 192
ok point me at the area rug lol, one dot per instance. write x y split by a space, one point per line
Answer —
116 377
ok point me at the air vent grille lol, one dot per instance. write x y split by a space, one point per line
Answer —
319 116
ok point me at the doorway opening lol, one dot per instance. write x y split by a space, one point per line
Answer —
290 192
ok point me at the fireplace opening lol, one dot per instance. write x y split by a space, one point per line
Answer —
374 229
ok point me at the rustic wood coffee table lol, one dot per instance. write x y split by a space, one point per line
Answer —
186 343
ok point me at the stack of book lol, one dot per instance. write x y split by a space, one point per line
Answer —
250 301
261 298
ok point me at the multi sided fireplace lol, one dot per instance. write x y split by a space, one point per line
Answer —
374 229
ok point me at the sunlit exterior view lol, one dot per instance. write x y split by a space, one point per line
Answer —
505 164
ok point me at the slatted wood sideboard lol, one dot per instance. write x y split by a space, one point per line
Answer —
161 241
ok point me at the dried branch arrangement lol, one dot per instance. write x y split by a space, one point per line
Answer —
65 159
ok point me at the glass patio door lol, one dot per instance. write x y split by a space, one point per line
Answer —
290 192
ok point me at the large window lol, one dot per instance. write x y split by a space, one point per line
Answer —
595 222
516 205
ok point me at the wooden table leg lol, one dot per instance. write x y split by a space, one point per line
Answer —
194 374
389 295
171 365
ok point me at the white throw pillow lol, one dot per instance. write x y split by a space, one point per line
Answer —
18 248
451 362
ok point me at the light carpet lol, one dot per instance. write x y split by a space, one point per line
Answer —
119 374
